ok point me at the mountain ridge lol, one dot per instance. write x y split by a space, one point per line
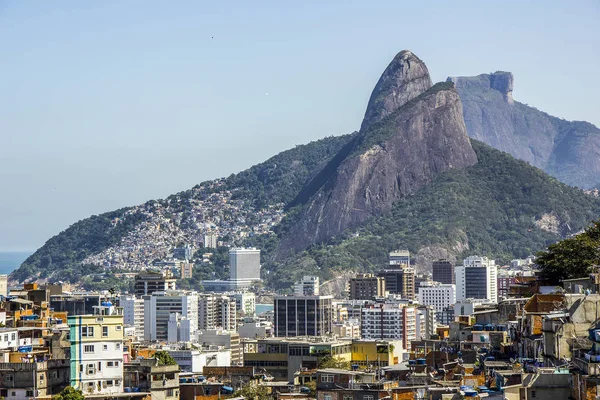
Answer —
519 208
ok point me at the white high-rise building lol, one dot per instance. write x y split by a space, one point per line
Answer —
179 329
438 295
210 240
391 321
477 278
159 307
217 311
308 286
133 314
244 266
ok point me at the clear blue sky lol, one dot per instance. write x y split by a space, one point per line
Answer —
111 103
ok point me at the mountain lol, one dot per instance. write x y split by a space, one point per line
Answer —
567 150
411 132
501 207
410 178
233 208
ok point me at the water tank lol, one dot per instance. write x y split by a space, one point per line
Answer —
106 304
421 361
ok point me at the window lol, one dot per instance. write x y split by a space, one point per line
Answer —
88 348
116 363
81 368
170 392
367 397
13 336
104 331
118 327
104 347
327 378
29 393
99 365
118 346
347 397
533 394
87 331
327 397
109 383
110 364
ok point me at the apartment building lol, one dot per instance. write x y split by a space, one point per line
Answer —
147 283
160 305
481 275
443 272
367 287
133 313
438 295
217 311
97 351
392 322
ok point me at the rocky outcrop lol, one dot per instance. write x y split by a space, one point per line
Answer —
404 79
407 138
570 151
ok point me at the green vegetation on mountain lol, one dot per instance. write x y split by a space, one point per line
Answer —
490 209
62 254
277 180
574 257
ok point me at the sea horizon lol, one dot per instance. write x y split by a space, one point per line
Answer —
11 260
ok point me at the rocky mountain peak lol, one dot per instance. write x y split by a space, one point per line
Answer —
500 81
405 78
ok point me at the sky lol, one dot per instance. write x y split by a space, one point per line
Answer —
106 104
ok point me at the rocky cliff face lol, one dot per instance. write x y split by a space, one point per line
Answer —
410 133
570 151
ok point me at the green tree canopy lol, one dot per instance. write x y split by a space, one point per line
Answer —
334 362
69 393
164 358
574 257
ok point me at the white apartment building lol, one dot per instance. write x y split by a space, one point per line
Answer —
216 311
133 314
477 279
390 321
159 307
244 266
347 329
308 286
97 351
245 302
438 295
9 338
179 329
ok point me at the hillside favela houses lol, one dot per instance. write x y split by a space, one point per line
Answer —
163 342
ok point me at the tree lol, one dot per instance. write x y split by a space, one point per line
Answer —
573 257
334 362
164 358
253 392
69 393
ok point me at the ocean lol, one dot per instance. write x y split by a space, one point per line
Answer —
9 261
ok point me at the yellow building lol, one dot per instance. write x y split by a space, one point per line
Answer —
375 353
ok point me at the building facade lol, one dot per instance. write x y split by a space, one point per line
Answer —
390 321
302 315
159 307
133 313
481 275
217 311
244 266
147 283
97 351
367 287
308 286
438 295
443 272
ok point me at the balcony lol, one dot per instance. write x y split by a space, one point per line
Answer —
588 367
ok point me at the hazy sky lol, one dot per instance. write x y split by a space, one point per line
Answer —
106 104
